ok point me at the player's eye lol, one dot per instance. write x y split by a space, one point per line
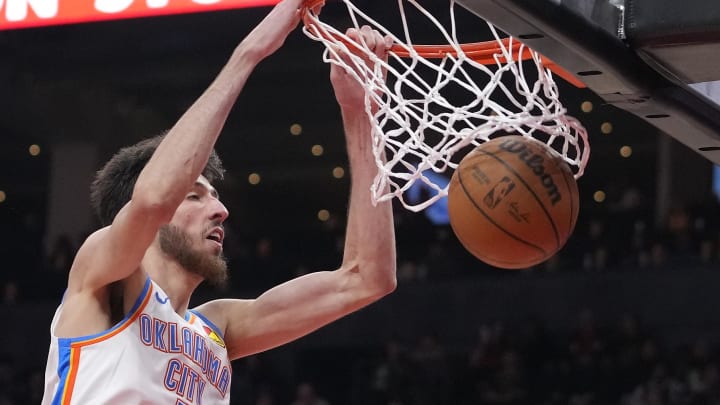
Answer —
193 196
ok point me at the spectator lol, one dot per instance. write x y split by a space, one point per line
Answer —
305 394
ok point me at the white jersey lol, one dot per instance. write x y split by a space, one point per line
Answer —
153 356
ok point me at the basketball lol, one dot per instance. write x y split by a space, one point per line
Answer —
513 202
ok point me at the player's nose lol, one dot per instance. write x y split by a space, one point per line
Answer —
218 211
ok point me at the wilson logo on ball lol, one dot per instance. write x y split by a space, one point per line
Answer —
513 202
536 163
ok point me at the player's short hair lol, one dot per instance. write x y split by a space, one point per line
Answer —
114 183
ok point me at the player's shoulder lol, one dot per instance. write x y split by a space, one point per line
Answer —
87 257
91 243
88 249
220 311
96 236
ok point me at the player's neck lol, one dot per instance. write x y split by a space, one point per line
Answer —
178 283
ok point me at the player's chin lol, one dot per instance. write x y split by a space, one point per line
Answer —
215 247
218 276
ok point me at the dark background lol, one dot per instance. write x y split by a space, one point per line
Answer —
648 252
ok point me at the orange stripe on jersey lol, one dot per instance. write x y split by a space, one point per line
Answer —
72 374
119 328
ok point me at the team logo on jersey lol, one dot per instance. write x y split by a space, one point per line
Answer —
161 300
214 336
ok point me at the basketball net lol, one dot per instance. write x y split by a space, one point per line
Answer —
430 105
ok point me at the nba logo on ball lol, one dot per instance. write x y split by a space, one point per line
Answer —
513 202
496 194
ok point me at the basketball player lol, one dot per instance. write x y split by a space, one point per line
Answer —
124 334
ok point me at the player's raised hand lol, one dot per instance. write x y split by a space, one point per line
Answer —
349 93
270 34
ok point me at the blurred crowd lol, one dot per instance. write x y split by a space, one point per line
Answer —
600 364
621 235
595 364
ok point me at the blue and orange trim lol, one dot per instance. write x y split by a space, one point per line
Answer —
207 321
69 348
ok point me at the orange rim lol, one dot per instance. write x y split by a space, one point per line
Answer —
486 53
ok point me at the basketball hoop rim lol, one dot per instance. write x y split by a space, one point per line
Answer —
413 104
485 52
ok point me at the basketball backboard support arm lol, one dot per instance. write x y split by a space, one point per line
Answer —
588 38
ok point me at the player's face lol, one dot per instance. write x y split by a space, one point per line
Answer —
195 234
201 215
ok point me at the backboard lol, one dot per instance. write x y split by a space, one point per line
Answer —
656 59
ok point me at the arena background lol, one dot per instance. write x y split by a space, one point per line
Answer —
627 313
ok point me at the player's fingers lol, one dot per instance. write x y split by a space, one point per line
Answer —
383 45
368 36
353 34
361 38
388 42
340 54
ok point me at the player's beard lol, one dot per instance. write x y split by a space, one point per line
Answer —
177 244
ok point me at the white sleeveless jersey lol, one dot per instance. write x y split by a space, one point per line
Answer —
153 356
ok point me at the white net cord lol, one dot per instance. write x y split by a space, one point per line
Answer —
427 113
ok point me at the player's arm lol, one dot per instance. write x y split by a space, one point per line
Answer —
115 252
302 305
